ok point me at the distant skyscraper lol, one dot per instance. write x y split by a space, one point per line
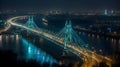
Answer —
106 12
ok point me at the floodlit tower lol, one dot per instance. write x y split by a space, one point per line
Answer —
70 36
30 23
68 33
106 12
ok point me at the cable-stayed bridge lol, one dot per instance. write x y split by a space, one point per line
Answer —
66 38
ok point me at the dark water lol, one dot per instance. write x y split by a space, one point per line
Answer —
97 43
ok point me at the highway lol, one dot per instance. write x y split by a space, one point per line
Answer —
88 56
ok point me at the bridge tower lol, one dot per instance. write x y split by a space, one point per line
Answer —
68 33
30 23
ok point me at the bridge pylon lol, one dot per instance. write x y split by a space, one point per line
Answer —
68 33
30 23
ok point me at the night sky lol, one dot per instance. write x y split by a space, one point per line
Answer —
59 4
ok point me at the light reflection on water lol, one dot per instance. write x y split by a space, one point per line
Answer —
32 52
25 49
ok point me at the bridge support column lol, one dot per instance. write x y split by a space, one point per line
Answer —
31 24
68 33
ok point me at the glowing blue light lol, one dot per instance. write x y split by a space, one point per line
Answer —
30 23
32 52
70 35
